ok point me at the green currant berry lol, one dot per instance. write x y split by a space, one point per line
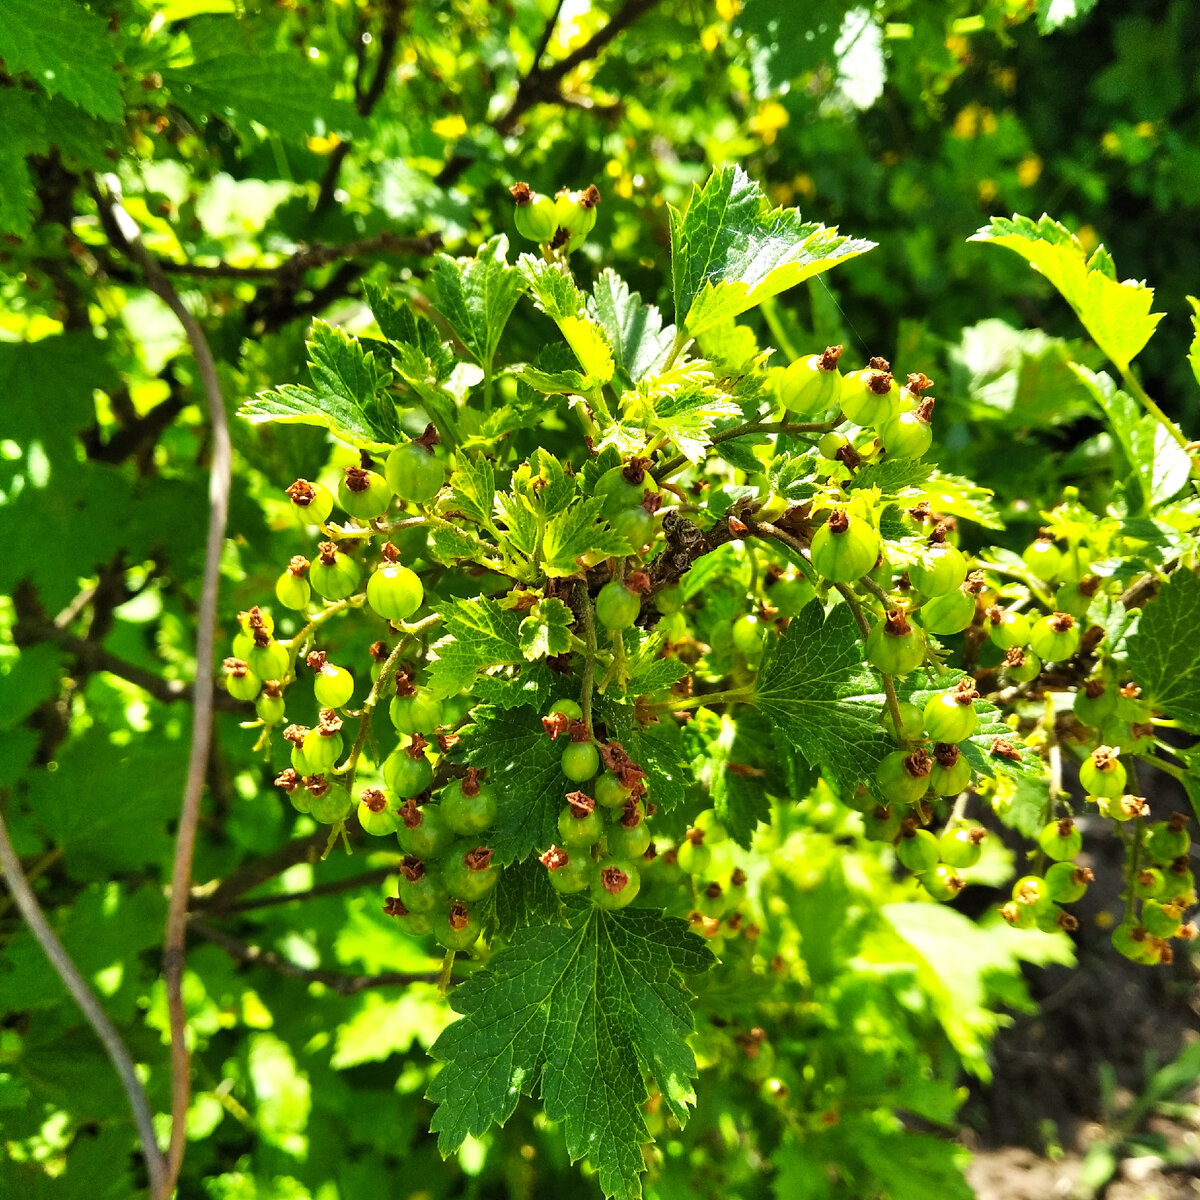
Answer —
1168 840
333 685
257 623
616 606
569 873
844 548
1161 920
609 791
624 487
950 716
962 846
1022 666
580 761
419 888
812 385
270 661
395 592
748 634
1102 773
903 778
1076 598
270 705
323 744
882 824
407 776
912 722
711 826
292 590
615 883
829 444
1066 883
712 900
418 713
1130 706
894 646
423 830
790 596
1060 840
669 600
469 806
536 215
375 815
299 760
694 857
940 569
635 525
628 842
1031 892
469 872
364 494
1055 638
1007 628
908 433
334 575
576 211
1019 916
413 473
1135 943
457 929
870 396
942 883
918 850
1043 559
1076 565
311 502
950 613
579 824
240 681
950 773
568 708
1095 703
1150 882
329 803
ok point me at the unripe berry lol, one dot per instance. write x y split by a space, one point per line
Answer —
1095 703
311 502
569 873
1066 882
469 872
1007 628
1055 638
942 883
407 771
870 396
812 385
413 473
1168 840
457 929
844 548
580 761
908 434
240 681
1060 840
423 830
579 824
950 716
292 589
535 217
962 846
333 685
693 856
917 850
894 646
1021 666
393 591
951 613
419 712
270 704
469 806
419 888
616 606
269 661
615 883
912 722
1042 558
940 569
323 745
950 773
333 574
609 791
1102 773
364 494
903 778
375 815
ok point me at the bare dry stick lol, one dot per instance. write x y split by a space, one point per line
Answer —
174 948
97 1018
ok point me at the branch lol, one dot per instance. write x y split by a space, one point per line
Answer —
333 888
538 85
338 981
118 221
97 1018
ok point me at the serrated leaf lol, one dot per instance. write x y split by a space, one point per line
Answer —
959 497
890 477
1164 654
556 383
814 686
640 344
731 250
477 296
296 405
1194 348
526 767
686 414
66 49
576 532
547 629
657 748
742 773
557 295
533 686
649 672
1116 314
479 635
473 484
579 1014
1156 460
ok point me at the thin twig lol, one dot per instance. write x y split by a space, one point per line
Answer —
97 1018
174 948
333 888
337 981
584 602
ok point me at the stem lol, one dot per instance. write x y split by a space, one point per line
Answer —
889 687
97 1018
447 967
1132 383
386 672
743 695
589 658
747 427
681 340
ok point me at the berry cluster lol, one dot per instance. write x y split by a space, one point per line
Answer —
561 222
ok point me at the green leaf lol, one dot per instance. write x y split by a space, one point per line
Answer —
649 672
731 250
479 635
958 496
686 414
657 748
1164 654
526 766
66 49
350 399
890 477
242 77
477 295
1194 349
581 1015
1116 314
1157 462
553 383
473 484
547 629
815 687
640 344
576 532
557 295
